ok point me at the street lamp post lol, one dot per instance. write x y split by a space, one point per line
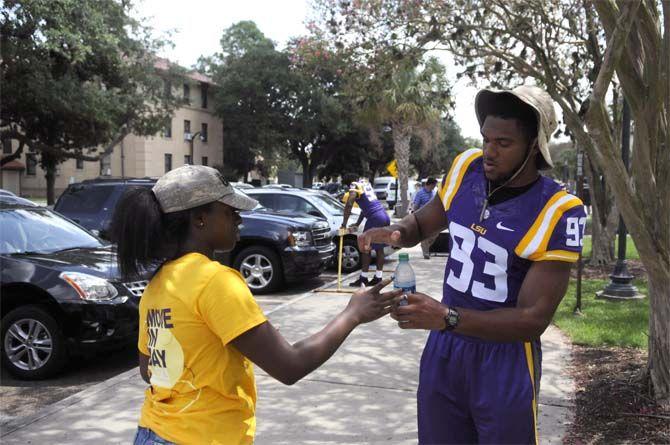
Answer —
620 286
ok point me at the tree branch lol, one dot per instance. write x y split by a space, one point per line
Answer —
17 154
615 48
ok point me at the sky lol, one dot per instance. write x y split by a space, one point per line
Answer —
196 27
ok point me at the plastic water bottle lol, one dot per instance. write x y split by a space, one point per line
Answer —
404 277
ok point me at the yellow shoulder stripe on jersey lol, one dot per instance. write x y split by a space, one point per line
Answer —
357 188
555 255
535 241
453 180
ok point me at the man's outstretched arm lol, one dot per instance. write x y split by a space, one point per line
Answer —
409 231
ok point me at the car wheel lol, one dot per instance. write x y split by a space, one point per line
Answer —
351 256
33 345
261 268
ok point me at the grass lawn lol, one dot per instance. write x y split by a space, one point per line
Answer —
631 251
604 322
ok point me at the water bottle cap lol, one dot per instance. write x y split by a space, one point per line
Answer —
403 257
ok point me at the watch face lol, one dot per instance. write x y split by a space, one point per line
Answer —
452 318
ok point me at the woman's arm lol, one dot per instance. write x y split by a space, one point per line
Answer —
268 349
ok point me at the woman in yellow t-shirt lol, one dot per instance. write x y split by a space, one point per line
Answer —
200 327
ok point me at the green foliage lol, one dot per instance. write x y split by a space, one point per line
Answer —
80 73
604 322
276 104
433 158
252 77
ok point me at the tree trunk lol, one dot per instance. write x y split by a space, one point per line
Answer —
307 173
401 138
604 222
659 333
50 176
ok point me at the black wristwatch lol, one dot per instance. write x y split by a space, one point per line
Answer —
451 319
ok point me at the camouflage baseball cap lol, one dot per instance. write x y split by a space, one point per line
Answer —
191 186
541 103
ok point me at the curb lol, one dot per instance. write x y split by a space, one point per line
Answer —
53 408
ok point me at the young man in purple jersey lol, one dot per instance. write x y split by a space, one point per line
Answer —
514 234
375 214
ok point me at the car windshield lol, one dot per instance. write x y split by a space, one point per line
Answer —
40 230
332 205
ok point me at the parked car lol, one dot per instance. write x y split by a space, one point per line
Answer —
320 204
274 249
91 203
9 197
242 185
60 292
277 186
385 189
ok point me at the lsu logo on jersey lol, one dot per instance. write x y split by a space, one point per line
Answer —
478 229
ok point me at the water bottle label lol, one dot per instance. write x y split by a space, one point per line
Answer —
406 290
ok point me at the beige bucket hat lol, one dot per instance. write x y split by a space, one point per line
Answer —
539 100
191 186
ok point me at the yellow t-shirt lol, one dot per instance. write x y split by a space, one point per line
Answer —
202 389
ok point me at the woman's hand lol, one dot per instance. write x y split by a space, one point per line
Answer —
369 304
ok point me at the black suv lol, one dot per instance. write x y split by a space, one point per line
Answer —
273 248
61 292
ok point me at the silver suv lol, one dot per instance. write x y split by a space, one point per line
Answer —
316 203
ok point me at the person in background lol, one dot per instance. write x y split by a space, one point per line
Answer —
412 194
422 198
362 193
199 326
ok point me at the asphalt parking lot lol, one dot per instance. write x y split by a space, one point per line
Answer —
21 398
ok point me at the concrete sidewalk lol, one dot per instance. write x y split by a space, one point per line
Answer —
364 394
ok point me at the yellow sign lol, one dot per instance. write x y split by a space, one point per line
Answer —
392 168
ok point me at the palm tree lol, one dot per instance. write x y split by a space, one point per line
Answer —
410 103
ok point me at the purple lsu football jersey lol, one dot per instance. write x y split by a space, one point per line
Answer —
366 199
489 259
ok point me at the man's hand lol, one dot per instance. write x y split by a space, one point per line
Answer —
383 235
353 228
421 312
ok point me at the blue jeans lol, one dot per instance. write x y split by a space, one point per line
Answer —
145 436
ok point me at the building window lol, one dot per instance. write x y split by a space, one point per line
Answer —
187 159
106 166
203 94
205 161
187 127
203 133
187 94
80 164
168 162
31 164
7 146
167 130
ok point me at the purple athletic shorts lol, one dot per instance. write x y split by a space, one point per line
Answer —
475 391
379 219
